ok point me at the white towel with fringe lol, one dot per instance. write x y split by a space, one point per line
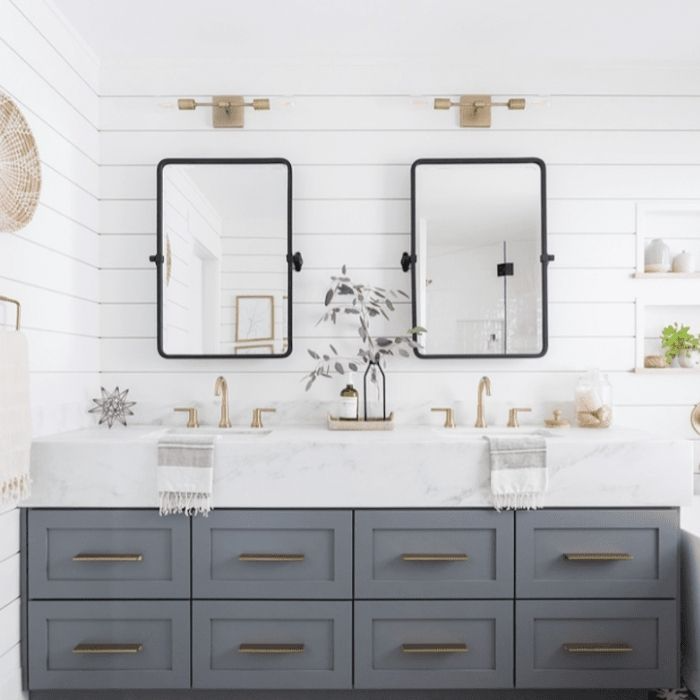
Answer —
518 471
185 474
15 418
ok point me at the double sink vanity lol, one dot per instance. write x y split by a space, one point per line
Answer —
355 560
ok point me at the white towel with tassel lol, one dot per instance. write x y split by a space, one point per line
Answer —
185 474
15 418
518 471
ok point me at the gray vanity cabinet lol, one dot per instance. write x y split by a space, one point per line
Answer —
280 644
336 599
433 554
434 644
272 554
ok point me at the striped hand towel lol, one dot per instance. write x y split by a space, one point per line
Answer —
518 471
185 474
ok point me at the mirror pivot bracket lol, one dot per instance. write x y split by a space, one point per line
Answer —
406 261
546 259
296 260
157 259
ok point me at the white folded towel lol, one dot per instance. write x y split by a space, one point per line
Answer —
185 474
15 418
518 471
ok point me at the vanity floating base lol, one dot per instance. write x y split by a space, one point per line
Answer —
342 599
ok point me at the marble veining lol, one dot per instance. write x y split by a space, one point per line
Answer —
311 467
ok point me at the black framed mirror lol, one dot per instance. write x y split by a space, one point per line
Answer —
224 258
478 257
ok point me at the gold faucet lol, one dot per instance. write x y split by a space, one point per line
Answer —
484 383
221 389
257 422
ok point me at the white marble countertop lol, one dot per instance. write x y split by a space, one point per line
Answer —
410 467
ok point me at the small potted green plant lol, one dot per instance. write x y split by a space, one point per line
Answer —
678 342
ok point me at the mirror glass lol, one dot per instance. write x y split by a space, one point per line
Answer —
479 272
224 237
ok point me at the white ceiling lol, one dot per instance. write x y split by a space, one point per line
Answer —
621 32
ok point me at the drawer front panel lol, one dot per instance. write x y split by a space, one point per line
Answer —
109 644
433 554
597 554
281 644
273 554
446 644
107 554
596 644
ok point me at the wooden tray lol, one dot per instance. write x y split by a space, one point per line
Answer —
371 424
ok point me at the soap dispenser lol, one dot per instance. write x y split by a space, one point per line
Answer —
349 405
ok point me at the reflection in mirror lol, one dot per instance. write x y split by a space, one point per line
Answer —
480 267
225 237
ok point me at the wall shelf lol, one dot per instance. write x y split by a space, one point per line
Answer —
666 370
666 275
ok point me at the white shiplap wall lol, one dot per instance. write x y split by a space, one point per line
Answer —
605 153
52 265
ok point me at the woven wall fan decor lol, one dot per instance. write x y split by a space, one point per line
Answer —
20 170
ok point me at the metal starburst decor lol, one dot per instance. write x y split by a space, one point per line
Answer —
113 406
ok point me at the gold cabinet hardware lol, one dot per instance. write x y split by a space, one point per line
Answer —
513 421
192 415
108 649
271 649
435 557
18 307
107 558
257 422
449 416
434 648
271 557
598 556
597 648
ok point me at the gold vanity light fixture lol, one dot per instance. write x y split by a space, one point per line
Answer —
227 110
475 110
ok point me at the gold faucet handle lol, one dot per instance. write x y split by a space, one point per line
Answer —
449 416
192 416
257 416
513 416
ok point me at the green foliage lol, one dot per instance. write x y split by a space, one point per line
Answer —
359 303
676 339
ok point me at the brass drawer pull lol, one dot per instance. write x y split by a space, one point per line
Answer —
90 557
108 649
598 556
271 557
271 649
434 557
598 648
434 648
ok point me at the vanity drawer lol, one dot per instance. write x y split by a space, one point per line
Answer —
436 644
433 554
272 554
107 554
597 644
109 644
597 554
281 644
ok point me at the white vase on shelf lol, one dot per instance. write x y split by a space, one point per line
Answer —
689 359
657 257
684 262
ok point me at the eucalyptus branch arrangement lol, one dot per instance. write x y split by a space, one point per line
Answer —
361 303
